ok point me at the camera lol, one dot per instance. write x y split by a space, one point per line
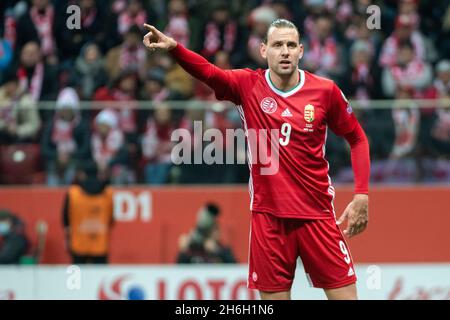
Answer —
207 219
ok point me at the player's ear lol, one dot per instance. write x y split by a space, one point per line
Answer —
301 51
262 50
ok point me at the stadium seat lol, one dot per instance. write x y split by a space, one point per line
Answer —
20 164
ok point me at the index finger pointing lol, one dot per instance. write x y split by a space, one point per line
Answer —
151 28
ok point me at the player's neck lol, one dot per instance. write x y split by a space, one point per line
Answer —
284 83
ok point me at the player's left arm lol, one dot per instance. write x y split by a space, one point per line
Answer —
344 123
357 211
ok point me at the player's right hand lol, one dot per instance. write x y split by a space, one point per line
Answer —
155 39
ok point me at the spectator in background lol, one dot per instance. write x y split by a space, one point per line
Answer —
176 80
88 217
442 38
178 22
19 117
441 84
157 145
433 141
6 56
123 91
342 11
440 130
402 164
89 71
133 15
323 53
405 31
10 13
203 244
118 6
220 117
409 7
394 138
220 32
35 76
155 91
362 83
38 25
283 8
130 55
154 86
93 20
108 148
189 172
65 140
259 21
409 71
311 10
13 241
358 31
406 117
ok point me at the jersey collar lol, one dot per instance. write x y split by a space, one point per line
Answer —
290 92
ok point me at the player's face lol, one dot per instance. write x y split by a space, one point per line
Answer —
282 51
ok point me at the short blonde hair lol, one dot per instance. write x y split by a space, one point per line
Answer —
280 23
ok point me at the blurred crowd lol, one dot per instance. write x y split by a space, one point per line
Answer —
42 58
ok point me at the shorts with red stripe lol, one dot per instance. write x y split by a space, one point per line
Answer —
276 243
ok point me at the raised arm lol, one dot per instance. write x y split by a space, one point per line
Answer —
223 82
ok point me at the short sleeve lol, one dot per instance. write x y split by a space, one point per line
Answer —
341 118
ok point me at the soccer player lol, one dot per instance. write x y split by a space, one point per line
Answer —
292 210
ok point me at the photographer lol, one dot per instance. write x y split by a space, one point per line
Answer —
203 244
13 241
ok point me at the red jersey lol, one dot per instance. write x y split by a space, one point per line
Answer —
301 186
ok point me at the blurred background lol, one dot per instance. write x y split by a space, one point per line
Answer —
86 115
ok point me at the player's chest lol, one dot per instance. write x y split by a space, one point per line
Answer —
305 113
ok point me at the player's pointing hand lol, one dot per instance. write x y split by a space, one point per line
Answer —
155 39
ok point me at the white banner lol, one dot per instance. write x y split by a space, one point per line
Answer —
217 282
